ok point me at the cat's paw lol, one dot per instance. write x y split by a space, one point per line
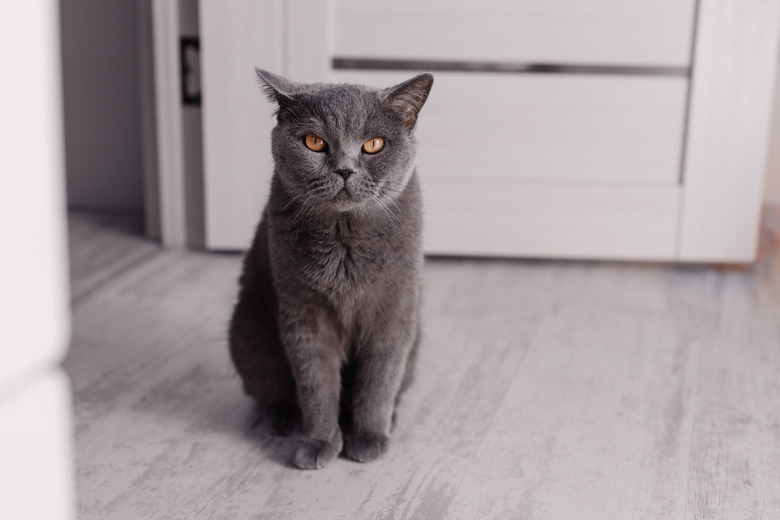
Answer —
364 446
314 454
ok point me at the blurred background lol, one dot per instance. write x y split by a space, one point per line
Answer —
136 144
602 116
588 121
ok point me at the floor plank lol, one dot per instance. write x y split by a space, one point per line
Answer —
103 245
544 390
736 427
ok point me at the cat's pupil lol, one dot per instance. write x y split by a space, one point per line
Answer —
314 143
373 145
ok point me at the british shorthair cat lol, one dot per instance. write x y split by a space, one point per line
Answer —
327 325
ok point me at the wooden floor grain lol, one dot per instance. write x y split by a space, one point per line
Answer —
102 246
546 390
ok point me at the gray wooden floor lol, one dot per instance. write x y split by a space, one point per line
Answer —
547 390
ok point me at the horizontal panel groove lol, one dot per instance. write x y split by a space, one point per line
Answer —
505 67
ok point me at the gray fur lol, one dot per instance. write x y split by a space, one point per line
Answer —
326 328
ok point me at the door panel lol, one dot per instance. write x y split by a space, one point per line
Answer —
236 37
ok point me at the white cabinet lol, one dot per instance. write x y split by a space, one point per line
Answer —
638 129
584 32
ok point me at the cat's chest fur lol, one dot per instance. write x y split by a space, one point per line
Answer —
345 254
342 255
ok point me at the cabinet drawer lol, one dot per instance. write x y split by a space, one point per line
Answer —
548 127
549 220
611 32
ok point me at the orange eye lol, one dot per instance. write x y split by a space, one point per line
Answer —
374 145
314 143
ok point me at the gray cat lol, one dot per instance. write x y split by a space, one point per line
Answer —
327 325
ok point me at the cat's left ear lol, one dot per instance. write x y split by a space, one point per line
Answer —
277 88
408 98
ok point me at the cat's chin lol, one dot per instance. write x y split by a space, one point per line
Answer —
345 201
343 207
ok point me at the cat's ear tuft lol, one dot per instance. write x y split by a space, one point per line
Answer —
408 98
277 89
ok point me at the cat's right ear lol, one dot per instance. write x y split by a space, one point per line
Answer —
278 89
408 98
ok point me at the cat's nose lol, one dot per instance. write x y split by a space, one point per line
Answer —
344 174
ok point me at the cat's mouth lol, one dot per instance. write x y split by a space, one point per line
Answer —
344 194
345 200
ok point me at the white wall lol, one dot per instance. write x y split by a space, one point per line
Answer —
36 467
102 103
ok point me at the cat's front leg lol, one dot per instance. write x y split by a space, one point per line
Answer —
378 375
316 366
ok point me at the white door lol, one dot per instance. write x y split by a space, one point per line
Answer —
578 128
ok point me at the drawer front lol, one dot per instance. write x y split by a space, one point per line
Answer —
609 32
541 127
471 218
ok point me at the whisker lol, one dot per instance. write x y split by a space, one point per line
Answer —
300 225
386 209
309 212
300 210
291 201
396 207
390 187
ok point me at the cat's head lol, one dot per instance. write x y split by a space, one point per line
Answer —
345 146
